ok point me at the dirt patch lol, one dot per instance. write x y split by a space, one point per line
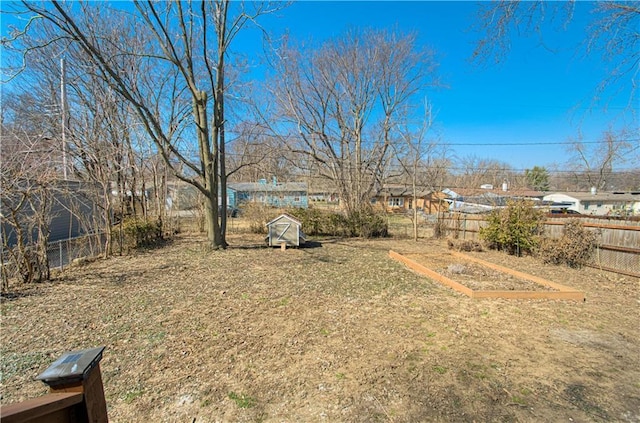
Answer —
475 276
338 332
479 278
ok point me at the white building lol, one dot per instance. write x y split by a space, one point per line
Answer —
598 203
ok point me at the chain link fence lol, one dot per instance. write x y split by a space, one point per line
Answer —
62 253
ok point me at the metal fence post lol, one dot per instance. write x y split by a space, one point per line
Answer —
60 255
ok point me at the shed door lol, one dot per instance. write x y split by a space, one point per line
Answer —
284 232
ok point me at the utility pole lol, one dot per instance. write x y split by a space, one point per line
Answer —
63 112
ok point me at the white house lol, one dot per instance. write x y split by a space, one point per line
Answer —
598 203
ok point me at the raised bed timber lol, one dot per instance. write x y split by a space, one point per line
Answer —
561 292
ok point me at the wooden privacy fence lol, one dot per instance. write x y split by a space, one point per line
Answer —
618 247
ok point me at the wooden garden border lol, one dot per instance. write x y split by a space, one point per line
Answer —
563 292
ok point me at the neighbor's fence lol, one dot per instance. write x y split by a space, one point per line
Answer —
619 240
63 253
60 254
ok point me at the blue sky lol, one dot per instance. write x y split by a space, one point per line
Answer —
535 96
538 95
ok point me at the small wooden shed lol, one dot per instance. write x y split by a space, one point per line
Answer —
287 230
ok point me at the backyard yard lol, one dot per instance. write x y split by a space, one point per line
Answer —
335 332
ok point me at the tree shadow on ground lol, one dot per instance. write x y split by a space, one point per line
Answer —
311 244
258 246
20 292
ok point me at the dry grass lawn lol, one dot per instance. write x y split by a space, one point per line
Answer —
335 333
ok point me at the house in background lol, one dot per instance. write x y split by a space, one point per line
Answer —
598 203
327 196
183 197
275 194
399 198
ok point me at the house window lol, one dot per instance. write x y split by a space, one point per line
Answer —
586 206
396 201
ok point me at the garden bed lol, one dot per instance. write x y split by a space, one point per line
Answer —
480 279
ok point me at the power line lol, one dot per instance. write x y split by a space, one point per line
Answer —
534 144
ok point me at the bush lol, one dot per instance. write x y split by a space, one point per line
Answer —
337 225
367 224
313 220
440 228
467 246
141 233
359 224
574 248
516 228
258 215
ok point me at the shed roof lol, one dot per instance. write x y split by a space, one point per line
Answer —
284 216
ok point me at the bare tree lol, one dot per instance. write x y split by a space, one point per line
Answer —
613 33
186 60
474 171
418 156
254 155
340 105
26 178
594 163
98 148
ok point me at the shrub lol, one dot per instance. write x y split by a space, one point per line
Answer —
367 224
440 227
515 228
141 233
258 215
359 224
467 246
574 248
337 225
313 220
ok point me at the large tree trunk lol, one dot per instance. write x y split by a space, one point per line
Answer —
174 58
218 119
209 170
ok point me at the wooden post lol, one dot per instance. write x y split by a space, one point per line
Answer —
283 246
79 371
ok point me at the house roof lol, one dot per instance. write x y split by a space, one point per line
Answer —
402 191
483 200
268 187
512 193
601 196
470 208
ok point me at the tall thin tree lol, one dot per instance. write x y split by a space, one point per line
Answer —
190 41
